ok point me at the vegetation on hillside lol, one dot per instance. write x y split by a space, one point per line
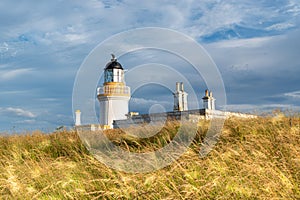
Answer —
254 158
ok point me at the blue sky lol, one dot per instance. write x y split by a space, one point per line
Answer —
255 45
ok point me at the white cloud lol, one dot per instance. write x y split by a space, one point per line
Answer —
52 38
3 47
12 74
280 26
146 105
293 7
94 19
17 112
295 94
260 73
260 54
142 101
216 16
14 92
245 43
49 99
260 108
62 37
27 121
74 37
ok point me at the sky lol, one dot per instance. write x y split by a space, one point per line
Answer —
255 45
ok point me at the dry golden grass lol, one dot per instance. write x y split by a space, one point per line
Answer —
254 159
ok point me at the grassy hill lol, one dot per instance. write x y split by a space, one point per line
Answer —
254 159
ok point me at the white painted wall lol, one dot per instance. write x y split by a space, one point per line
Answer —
207 104
77 118
113 108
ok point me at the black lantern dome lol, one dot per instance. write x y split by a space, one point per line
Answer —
113 64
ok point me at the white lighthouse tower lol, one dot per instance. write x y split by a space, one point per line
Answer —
114 95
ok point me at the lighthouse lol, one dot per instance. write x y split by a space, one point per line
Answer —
114 95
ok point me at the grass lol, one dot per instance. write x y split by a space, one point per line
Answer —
254 159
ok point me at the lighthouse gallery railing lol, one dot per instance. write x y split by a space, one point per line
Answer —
113 90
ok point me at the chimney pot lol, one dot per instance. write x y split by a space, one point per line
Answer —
206 93
177 86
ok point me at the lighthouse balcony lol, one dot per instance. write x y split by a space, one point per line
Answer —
108 90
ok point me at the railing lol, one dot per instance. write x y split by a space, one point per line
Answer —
113 90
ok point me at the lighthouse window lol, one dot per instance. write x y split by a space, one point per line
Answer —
116 73
109 75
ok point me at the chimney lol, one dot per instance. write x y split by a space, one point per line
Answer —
177 86
181 86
